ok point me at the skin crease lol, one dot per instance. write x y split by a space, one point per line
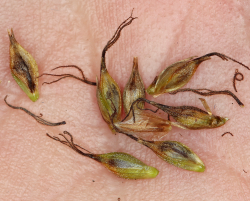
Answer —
33 167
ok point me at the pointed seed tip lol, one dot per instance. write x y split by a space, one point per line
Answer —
11 36
154 172
10 32
135 58
135 63
33 96
202 168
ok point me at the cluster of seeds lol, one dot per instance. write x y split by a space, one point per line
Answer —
139 120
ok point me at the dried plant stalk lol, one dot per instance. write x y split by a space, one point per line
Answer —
236 78
63 76
37 118
208 92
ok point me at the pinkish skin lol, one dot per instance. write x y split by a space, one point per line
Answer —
33 167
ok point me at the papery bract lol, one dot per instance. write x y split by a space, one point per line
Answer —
134 88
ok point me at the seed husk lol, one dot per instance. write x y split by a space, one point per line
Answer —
188 117
178 74
121 164
108 92
134 88
147 124
174 153
23 68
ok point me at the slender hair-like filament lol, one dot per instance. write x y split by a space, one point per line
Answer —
209 93
37 118
236 78
117 34
83 79
227 133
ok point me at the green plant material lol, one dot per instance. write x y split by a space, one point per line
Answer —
189 117
37 118
121 164
23 68
173 152
178 74
134 88
176 154
108 96
108 92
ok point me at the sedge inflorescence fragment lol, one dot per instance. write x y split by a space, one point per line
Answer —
141 121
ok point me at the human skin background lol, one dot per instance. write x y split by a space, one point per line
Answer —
34 167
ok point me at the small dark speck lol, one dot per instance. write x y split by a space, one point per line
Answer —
232 103
244 171
118 199
93 180
41 114
180 134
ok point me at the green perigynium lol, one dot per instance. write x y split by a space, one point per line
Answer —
179 74
23 68
108 92
121 164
